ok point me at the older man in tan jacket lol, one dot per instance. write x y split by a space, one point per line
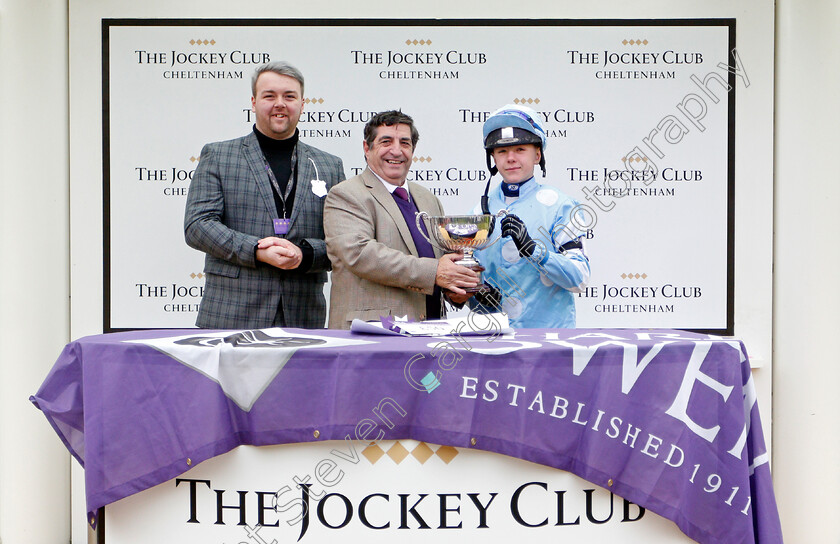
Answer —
382 265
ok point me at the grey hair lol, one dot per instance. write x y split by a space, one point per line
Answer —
279 67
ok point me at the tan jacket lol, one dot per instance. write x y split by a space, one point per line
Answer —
376 270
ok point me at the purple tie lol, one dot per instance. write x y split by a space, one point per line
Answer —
424 248
401 192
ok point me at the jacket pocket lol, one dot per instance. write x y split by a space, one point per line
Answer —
221 268
367 315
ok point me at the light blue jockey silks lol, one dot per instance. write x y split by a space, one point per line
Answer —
537 291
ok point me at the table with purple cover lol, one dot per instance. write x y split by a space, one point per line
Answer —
666 419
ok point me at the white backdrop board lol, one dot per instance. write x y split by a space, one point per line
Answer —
404 490
640 116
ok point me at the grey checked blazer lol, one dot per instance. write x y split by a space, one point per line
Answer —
230 206
376 269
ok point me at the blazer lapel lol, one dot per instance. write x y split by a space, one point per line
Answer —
256 162
381 194
305 175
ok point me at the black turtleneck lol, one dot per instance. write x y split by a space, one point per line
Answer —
278 153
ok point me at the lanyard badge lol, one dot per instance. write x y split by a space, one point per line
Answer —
281 226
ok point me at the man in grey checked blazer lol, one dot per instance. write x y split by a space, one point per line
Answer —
255 207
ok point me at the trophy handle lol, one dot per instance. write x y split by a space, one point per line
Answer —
422 215
499 214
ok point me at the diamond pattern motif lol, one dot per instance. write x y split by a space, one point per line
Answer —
422 452
526 100
446 453
373 453
398 452
632 276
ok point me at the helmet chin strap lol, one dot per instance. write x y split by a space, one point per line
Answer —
491 166
485 200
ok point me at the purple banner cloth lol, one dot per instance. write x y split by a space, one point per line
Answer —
666 419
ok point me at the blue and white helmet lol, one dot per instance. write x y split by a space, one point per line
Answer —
513 125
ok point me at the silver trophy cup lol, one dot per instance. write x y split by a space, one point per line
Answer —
464 233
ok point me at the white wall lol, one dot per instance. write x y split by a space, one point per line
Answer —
807 265
35 204
34 276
